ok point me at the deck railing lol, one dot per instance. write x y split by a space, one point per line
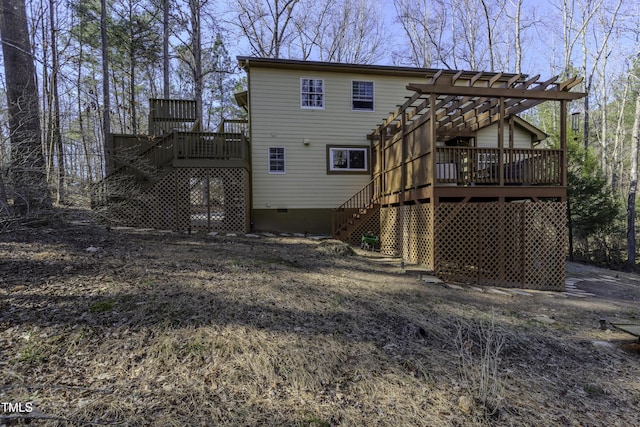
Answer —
482 166
234 126
173 109
168 115
210 145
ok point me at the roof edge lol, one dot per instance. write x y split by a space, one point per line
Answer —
246 62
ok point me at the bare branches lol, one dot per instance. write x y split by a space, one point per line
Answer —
267 24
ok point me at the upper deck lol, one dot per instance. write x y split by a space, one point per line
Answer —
427 148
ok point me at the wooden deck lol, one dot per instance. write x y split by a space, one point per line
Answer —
470 172
181 149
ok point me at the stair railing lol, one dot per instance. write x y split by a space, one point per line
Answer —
159 154
355 205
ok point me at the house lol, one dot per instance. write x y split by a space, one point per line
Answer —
438 163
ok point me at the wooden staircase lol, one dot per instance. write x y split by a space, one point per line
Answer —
139 161
137 168
349 216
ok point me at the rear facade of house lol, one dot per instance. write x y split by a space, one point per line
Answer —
438 164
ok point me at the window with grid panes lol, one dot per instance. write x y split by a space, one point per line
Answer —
362 96
312 93
277 160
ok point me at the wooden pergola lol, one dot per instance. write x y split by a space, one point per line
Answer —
452 105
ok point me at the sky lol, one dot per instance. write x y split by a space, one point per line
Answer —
542 42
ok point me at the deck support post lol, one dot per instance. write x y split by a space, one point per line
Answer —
563 140
501 141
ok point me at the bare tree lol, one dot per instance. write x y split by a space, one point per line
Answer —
191 51
633 187
425 27
467 29
267 24
56 135
106 90
493 12
31 193
596 51
311 26
517 33
166 32
354 33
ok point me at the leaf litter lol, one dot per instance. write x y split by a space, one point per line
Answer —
160 329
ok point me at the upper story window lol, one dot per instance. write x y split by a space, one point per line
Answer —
361 96
277 160
312 93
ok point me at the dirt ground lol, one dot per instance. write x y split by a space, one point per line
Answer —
148 328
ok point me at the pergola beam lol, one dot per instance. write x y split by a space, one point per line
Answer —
540 92
468 107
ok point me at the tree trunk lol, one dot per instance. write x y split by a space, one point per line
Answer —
487 18
633 186
165 48
31 193
85 143
132 73
106 101
196 46
56 136
518 35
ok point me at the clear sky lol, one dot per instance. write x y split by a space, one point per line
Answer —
542 40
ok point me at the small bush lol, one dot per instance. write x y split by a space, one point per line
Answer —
479 346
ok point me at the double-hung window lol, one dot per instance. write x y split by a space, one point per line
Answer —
361 96
352 159
312 93
277 160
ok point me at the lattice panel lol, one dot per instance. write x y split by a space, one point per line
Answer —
456 236
155 207
503 244
404 214
389 231
191 198
406 232
515 229
419 237
546 242
370 225
213 199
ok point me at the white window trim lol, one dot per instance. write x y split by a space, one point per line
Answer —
333 169
284 164
373 101
324 98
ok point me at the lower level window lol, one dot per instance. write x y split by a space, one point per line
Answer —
276 160
348 159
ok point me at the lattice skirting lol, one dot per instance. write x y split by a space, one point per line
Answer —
503 244
406 231
190 198
370 225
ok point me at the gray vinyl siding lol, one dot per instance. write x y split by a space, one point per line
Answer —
277 120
